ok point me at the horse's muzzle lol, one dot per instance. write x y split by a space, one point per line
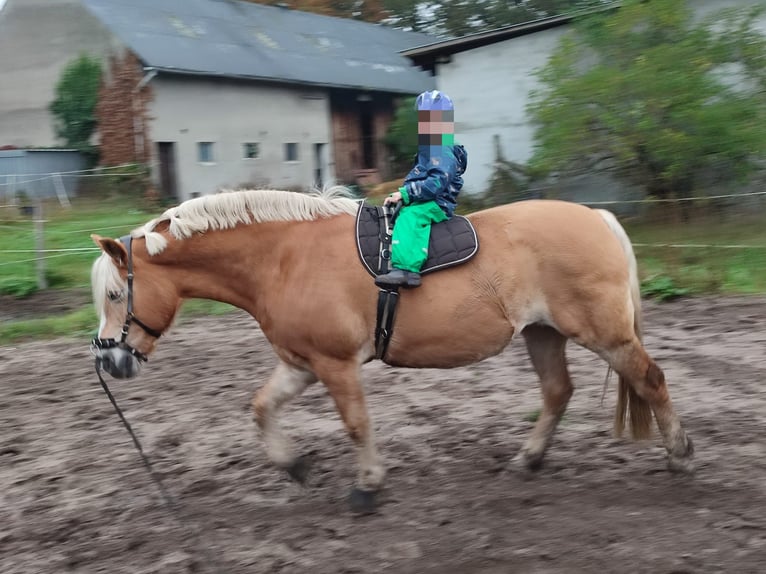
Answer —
118 362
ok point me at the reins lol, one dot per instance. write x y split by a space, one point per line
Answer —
169 501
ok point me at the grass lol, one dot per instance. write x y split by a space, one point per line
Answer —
63 229
83 323
666 272
713 269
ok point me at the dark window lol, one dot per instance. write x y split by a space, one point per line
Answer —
251 151
291 152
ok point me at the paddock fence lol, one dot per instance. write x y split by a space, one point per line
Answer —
710 244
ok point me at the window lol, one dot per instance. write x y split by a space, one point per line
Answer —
291 152
205 152
251 151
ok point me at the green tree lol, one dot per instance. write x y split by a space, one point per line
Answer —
402 135
74 106
665 100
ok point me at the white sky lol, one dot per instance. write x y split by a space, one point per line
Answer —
2 2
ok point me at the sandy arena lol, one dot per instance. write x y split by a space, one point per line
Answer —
76 498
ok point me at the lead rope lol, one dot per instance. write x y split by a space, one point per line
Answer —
167 499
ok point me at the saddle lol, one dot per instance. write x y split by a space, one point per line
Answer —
452 242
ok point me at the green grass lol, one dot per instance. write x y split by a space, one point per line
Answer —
63 229
713 269
81 323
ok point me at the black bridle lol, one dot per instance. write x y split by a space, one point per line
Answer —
102 344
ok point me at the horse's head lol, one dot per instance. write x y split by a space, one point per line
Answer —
136 302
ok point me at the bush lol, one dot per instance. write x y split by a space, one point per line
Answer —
662 288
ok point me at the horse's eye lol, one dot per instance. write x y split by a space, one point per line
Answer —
115 296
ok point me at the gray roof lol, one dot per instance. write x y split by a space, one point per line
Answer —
241 39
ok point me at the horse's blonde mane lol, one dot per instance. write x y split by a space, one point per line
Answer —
229 208
105 278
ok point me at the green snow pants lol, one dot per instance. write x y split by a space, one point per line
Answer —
412 230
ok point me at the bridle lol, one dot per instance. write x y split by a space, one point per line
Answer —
102 344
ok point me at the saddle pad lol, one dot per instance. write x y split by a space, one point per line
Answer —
452 242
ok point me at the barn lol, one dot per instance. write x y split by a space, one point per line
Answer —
220 93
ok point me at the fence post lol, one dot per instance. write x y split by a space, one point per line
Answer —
58 185
42 282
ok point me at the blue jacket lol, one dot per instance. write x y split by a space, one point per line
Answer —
436 176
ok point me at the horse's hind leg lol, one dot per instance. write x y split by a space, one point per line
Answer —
547 350
286 383
342 381
640 371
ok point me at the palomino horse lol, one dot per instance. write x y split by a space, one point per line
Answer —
548 270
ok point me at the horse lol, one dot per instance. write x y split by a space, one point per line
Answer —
548 270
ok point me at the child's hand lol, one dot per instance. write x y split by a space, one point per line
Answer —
394 198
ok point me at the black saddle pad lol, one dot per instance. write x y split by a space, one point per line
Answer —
452 242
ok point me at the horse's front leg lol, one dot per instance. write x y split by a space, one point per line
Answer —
286 383
342 381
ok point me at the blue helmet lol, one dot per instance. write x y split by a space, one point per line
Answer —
434 100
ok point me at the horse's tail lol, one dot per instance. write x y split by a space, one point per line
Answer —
627 398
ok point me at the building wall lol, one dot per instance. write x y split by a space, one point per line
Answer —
121 112
189 110
37 39
489 87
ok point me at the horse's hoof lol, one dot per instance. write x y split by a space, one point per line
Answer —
362 501
533 463
299 469
679 465
683 462
689 446
529 463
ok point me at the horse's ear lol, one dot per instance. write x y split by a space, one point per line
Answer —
113 249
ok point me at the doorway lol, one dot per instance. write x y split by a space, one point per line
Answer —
168 181
366 124
320 164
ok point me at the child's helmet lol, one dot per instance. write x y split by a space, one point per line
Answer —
434 100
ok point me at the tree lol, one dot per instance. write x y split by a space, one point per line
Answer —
462 17
367 10
665 100
439 17
73 108
402 135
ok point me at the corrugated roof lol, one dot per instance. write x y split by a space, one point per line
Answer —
241 39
